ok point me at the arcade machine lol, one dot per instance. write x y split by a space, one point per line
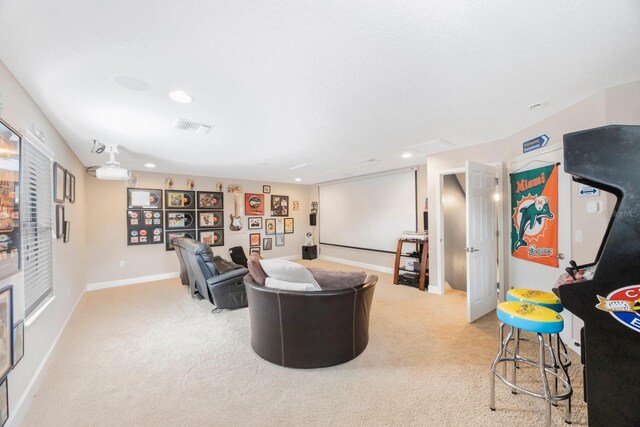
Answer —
606 293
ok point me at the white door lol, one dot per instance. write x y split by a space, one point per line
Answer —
482 273
525 274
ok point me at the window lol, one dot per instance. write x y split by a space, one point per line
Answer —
36 224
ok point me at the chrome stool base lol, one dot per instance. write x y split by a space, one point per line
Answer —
556 368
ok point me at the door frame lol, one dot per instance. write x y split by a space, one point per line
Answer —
498 166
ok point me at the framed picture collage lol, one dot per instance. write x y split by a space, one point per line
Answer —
145 224
274 228
156 216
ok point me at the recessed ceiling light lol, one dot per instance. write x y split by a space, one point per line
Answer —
131 83
406 155
537 105
149 165
298 179
181 96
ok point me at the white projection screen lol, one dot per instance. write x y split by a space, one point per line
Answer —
369 212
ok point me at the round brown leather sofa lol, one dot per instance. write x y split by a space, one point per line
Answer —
309 329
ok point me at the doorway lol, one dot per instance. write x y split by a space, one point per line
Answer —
469 221
454 222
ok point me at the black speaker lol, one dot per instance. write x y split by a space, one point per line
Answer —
312 219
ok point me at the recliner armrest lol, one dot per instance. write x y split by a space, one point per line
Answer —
227 277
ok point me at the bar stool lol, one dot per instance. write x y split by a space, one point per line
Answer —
544 299
541 321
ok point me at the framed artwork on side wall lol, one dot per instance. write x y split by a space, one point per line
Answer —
59 184
210 219
6 330
9 202
211 237
176 199
267 244
253 204
144 198
270 227
255 223
4 403
279 205
210 200
254 239
279 239
288 226
18 342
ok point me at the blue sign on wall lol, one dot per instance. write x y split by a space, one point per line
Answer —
535 143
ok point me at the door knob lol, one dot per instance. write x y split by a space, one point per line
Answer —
471 249
560 256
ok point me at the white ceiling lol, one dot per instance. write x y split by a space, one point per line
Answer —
327 83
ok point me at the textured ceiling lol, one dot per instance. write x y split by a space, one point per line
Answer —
327 83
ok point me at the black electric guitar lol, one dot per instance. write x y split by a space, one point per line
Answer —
236 224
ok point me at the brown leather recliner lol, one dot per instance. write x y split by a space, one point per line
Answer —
309 329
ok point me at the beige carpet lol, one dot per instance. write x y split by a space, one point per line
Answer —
149 355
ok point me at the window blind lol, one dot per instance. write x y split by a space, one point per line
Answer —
36 226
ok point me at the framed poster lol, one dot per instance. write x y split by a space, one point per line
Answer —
72 194
255 223
6 330
67 184
59 221
4 403
280 226
67 231
177 199
270 227
59 184
170 235
279 205
9 202
144 198
254 239
279 239
210 219
288 225
210 200
253 204
295 205
151 218
267 244
18 342
266 189
254 250
211 237
180 219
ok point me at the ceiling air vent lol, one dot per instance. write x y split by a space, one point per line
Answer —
189 125
431 147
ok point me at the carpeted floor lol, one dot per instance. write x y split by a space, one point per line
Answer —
150 355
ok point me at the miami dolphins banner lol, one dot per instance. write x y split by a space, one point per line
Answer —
534 215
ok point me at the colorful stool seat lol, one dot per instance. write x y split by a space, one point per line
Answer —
534 296
530 317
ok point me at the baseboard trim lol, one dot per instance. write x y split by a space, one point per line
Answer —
20 410
288 257
357 264
131 281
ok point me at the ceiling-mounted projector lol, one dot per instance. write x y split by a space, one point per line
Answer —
112 169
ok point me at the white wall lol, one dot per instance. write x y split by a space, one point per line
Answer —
619 105
107 227
381 261
68 259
